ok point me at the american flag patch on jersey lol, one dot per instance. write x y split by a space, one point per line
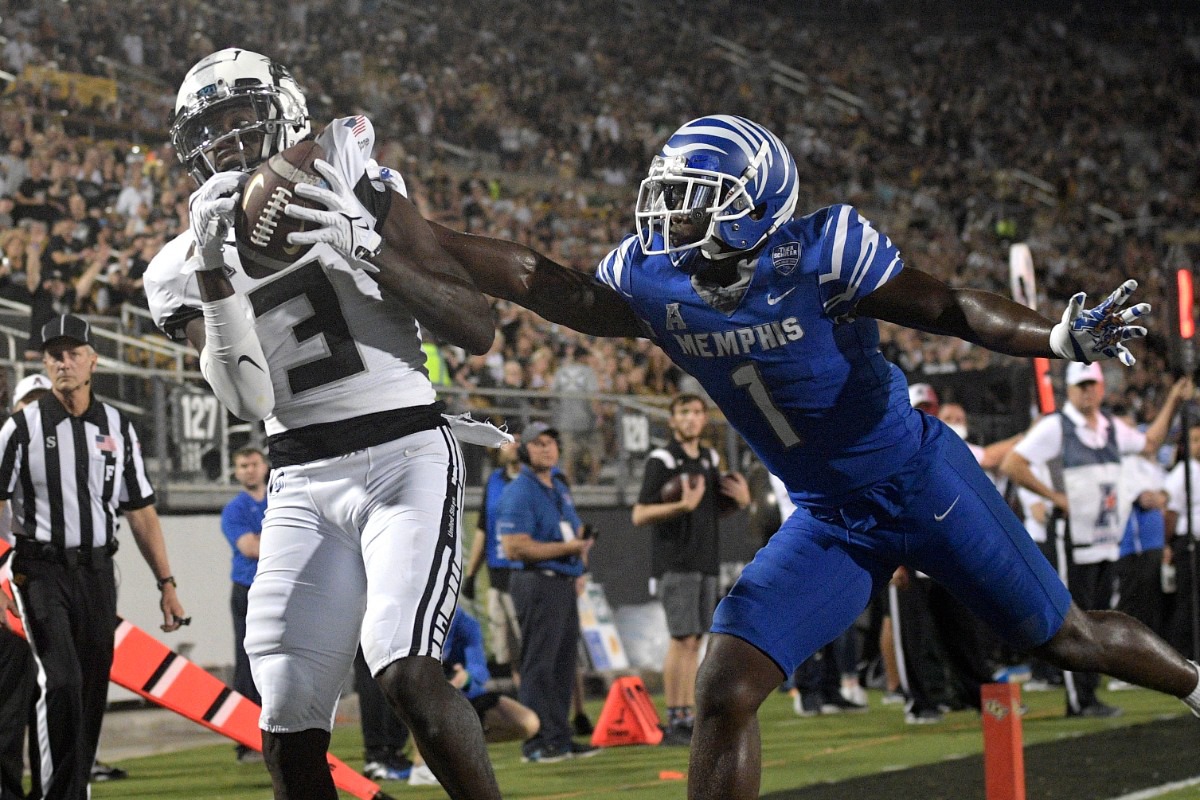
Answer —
357 125
106 444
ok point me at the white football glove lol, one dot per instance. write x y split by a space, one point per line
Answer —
210 215
1093 334
344 225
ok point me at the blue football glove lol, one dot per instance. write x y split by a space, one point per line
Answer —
1093 334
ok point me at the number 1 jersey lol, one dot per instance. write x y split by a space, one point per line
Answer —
337 346
799 377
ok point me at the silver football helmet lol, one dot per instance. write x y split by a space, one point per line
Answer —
234 110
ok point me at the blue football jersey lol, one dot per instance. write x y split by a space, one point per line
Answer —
799 377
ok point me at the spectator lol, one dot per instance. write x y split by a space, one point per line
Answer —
575 417
19 51
1090 442
63 564
685 559
58 294
539 527
32 197
504 630
1141 557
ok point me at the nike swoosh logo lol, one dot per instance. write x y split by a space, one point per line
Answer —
408 451
251 362
942 516
773 300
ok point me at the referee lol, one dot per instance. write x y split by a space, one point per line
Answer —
70 463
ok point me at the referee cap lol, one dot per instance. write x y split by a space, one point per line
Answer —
68 326
30 383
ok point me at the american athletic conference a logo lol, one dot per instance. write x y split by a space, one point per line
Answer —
785 257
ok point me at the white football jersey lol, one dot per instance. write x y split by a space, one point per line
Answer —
337 346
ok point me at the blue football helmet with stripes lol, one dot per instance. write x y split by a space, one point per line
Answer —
721 185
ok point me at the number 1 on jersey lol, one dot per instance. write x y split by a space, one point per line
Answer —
747 375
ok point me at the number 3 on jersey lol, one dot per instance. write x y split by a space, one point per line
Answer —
326 320
748 376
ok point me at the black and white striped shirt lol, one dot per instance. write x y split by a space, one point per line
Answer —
66 477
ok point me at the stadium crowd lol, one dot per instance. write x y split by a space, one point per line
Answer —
956 132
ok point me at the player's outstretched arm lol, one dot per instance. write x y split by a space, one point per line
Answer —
408 262
524 276
918 300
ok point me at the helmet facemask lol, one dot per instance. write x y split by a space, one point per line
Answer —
692 191
235 110
207 144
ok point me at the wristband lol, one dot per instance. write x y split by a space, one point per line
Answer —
162 582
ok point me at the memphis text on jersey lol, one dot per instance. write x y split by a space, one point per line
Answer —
740 341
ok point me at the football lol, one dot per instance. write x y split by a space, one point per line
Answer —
672 490
726 505
260 226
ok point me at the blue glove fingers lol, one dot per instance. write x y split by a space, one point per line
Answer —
1118 297
1134 312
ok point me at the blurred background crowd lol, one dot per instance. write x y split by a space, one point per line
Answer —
956 128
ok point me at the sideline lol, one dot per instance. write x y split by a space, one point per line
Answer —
1158 791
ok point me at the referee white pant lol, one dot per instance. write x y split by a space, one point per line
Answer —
364 545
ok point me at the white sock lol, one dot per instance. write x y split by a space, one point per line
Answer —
1193 699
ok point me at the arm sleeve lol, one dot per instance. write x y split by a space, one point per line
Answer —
232 360
856 259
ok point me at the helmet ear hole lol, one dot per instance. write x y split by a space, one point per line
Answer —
758 212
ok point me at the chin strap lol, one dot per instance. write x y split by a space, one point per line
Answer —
232 360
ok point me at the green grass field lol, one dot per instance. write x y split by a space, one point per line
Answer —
796 753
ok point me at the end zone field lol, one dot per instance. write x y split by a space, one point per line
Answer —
1151 751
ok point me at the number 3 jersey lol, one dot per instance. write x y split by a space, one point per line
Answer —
780 352
337 346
